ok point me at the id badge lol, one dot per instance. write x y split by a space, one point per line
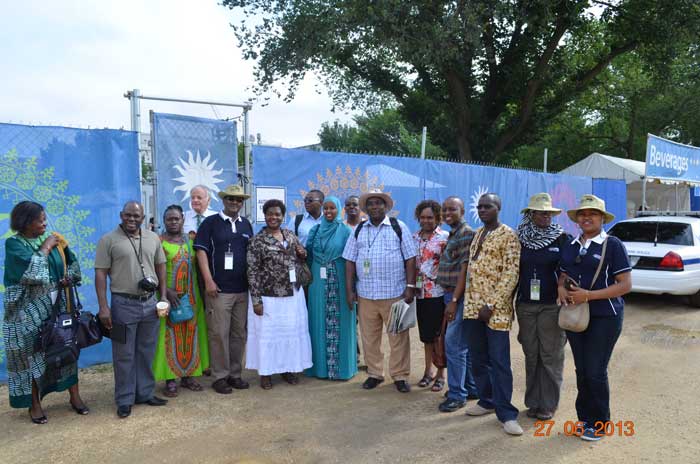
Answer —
535 289
323 273
293 276
228 261
365 267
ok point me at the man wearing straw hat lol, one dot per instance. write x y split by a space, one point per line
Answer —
221 244
541 337
382 255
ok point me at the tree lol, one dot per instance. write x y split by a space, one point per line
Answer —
482 75
615 117
381 132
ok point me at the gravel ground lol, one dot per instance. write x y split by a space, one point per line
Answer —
653 377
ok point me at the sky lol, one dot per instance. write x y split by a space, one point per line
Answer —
69 63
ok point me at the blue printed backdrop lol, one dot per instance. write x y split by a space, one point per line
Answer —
409 180
82 177
191 151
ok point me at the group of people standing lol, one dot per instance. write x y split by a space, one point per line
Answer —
288 299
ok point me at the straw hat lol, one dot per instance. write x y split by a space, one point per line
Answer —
376 193
541 202
591 202
233 191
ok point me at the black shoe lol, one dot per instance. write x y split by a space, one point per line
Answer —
154 401
123 411
450 405
371 383
238 383
83 410
402 386
222 386
472 396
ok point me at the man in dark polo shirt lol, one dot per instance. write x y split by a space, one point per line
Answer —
221 244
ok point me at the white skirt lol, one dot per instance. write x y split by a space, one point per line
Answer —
279 341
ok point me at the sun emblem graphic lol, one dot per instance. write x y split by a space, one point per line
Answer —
475 201
341 183
197 171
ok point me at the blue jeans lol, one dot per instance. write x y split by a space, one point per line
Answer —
460 381
490 351
592 349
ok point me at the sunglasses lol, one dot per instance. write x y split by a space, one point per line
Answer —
581 253
230 198
311 200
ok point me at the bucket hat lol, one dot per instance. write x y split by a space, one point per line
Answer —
591 202
541 202
233 191
376 193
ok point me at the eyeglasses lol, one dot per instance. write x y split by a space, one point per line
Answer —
230 198
581 253
311 200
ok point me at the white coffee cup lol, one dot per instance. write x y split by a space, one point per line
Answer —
162 307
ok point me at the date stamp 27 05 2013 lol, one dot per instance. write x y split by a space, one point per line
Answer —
576 428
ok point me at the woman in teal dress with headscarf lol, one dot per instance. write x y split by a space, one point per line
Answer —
331 321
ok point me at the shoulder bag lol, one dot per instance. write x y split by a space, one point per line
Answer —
575 318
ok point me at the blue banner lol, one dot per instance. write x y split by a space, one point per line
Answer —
410 180
671 160
191 151
82 178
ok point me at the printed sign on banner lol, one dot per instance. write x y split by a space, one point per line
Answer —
671 160
191 151
48 165
262 194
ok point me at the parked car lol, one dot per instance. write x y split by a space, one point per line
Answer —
664 251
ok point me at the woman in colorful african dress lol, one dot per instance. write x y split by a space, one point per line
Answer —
35 273
331 321
183 350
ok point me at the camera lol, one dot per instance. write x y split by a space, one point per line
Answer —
148 284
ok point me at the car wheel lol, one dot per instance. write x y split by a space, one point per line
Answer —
695 300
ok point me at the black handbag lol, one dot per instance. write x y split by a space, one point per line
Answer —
89 332
58 337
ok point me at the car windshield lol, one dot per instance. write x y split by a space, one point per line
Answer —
669 233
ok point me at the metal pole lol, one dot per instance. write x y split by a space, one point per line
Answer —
678 206
644 193
133 97
200 102
545 160
422 142
155 173
246 153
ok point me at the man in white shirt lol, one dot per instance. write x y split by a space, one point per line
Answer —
301 224
199 202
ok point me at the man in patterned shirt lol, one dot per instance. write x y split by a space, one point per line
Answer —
494 258
383 257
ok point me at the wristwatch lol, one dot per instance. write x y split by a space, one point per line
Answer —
411 285
454 300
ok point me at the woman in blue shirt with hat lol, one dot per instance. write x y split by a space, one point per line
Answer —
592 348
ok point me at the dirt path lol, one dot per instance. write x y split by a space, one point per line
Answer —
654 378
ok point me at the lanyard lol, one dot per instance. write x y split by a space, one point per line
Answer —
369 245
139 254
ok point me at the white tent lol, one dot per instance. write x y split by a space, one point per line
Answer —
666 196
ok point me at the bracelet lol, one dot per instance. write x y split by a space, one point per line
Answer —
411 285
587 292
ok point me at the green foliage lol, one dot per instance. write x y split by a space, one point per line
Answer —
383 132
485 76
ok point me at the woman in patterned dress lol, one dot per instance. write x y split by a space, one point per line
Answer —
35 273
331 321
430 306
182 350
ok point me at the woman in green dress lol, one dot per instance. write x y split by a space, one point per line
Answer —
183 349
331 321
35 273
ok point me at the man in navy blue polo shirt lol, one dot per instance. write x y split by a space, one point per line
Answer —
221 244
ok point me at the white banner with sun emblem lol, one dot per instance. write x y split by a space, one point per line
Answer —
190 151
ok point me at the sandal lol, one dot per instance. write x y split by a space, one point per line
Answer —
291 378
190 384
38 420
425 381
266 382
438 385
170 389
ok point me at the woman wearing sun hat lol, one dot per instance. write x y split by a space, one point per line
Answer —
538 313
593 347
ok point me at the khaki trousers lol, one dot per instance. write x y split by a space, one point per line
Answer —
374 316
227 327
